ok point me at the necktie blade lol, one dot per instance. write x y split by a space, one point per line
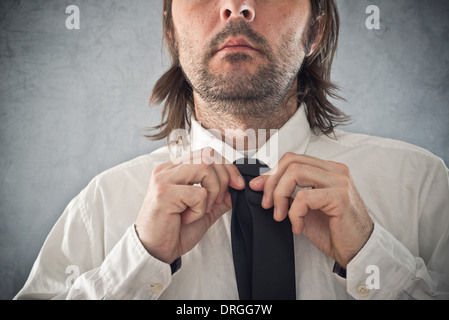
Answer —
262 248
242 244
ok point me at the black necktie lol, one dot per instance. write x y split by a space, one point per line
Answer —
262 248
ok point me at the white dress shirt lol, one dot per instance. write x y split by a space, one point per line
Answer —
93 251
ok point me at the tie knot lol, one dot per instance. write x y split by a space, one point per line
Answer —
251 167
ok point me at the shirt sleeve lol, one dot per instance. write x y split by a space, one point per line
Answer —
387 269
66 266
142 277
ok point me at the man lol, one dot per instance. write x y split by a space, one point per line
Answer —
251 79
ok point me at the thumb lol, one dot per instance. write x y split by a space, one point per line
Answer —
257 184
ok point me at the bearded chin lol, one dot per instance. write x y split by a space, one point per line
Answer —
240 93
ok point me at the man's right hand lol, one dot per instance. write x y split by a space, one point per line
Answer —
184 199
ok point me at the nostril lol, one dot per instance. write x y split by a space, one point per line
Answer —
247 12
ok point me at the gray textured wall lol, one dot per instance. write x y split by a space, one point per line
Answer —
74 102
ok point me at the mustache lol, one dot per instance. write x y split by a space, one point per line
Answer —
238 28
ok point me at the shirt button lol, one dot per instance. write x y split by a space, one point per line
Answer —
156 288
362 290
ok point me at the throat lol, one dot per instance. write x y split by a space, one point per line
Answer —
244 132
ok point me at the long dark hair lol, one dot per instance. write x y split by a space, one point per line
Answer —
314 83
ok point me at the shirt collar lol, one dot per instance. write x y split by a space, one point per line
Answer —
294 136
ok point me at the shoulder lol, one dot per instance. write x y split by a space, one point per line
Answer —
387 161
373 146
144 162
135 172
357 140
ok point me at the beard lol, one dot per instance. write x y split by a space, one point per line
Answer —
237 92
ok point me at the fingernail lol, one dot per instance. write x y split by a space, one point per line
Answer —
256 182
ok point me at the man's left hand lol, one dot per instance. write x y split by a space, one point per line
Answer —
328 210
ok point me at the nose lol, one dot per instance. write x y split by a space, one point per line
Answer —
232 9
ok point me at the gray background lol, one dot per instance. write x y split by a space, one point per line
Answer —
74 102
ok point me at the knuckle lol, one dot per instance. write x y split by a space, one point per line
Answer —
232 171
202 194
343 168
270 185
288 156
205 167
345 196
158 169
277 194
294 167
227 172
344 181
213 190
223 178
157 177
293 215
302 195
161 191
224 183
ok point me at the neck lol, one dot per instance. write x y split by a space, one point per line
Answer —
243 130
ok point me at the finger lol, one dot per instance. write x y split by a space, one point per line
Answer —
209 156
325 200
193 201
223 180
236 180
257 184
289 158
227 173
326 165
194 174
162 167
303 176
298 210
212 171
277 172
281 196
211 183
188 158
269 180
234 177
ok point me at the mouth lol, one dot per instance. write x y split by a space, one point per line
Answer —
233 45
